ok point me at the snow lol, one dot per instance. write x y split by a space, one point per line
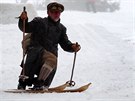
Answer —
11 10
106 57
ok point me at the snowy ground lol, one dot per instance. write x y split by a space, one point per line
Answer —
106 58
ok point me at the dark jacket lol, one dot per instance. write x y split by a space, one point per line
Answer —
47 34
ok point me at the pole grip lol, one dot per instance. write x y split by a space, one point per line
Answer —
24 9
76 43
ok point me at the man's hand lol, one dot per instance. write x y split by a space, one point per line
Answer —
24 16
76 47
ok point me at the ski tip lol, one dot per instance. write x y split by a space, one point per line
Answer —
85 87
80 89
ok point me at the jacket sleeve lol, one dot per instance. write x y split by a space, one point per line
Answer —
29 26
65 43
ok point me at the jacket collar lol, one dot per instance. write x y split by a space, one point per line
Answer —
52 21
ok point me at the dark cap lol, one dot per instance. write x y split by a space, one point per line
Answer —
54 6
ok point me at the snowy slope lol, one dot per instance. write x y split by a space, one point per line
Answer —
106 58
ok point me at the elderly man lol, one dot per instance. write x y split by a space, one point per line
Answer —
46 34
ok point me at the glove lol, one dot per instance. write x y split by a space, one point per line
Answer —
76 47
23 16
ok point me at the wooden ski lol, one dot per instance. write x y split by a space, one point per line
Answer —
58 89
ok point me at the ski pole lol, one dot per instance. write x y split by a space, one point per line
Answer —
23 76
71 82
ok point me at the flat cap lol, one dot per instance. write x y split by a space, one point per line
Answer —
54 6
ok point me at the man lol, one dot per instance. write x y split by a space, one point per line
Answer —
46 34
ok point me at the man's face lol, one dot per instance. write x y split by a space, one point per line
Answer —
55 15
